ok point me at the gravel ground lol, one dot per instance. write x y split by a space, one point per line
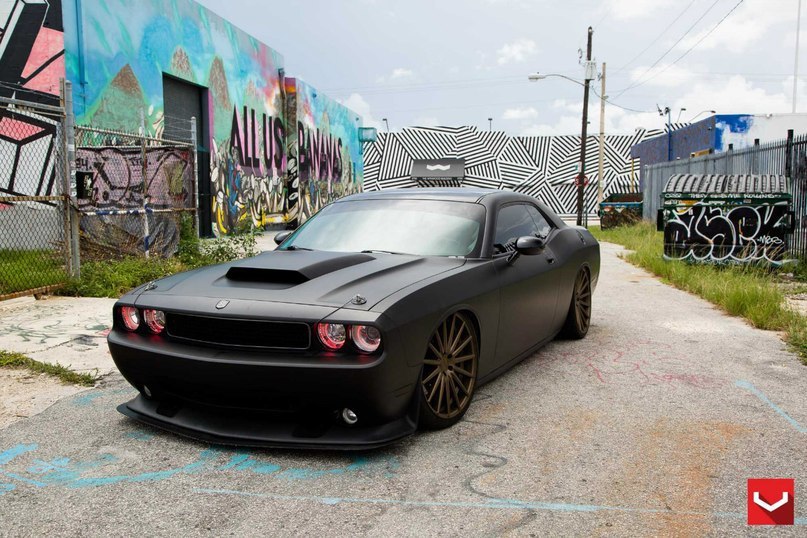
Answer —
649 426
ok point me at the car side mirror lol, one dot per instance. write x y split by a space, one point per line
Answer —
282 236
530 245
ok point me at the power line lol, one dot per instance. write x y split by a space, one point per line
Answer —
669 49
658 36
707 34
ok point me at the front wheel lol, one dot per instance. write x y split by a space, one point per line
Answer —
449 372
578 318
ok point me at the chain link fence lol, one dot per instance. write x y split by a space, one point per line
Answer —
786 157
132 191
35 216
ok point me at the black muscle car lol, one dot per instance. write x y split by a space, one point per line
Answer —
383 312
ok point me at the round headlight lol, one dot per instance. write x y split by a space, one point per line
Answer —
366 337
155 320
130 317
332 335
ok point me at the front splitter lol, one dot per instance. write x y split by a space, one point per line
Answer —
230 427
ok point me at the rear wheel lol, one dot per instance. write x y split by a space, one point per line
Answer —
578 318
449 373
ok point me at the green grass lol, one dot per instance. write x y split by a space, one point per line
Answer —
10 359
22 270
749 292
113 278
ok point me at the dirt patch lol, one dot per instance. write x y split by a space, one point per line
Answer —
678 462
24 394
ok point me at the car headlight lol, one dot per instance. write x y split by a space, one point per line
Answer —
155 320
332 335
366 337
130 317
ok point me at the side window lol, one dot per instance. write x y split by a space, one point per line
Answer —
514 221
541 224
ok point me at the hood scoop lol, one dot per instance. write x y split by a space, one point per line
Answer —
285 268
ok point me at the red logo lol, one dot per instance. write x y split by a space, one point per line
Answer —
771 501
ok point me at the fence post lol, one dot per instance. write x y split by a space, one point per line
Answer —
789 154
75 215
144 164
195 176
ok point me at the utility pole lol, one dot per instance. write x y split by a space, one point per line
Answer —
601 164
581 177
796 66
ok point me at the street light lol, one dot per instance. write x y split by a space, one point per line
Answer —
590 73
701 112
385 123
490 124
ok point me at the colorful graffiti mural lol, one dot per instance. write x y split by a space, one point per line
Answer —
31 64
117 58
325 157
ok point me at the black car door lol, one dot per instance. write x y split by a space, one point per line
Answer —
529 290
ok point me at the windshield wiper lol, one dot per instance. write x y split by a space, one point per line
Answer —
382 251
294 247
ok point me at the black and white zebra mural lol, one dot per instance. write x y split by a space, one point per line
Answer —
541 166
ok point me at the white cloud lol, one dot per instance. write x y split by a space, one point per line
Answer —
357 104
517 51
636 9
731 95
520 113
397 74
663 75
751 21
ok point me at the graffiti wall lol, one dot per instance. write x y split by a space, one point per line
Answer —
704 232
541 166
325 156
31 64
117 56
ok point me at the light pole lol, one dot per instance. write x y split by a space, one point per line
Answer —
385 123
490 124
701 112
590 69
796 62
601 157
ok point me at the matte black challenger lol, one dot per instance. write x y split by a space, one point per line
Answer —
383 312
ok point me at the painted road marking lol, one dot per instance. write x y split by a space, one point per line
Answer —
495 504
747 385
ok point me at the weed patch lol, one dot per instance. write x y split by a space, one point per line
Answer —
10 359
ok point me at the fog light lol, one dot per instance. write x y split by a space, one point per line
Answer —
349 416
130 317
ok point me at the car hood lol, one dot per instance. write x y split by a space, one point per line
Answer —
304 277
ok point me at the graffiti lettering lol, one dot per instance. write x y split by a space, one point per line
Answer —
258 146
715 234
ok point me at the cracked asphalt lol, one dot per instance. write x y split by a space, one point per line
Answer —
650 426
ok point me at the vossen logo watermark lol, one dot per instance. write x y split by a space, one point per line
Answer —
771 501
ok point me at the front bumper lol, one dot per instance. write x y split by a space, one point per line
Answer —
267 399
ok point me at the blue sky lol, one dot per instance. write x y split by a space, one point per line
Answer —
459 62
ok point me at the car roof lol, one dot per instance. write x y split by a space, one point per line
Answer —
454 194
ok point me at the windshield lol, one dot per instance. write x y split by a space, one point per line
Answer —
420 227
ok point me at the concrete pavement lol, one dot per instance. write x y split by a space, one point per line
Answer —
649 426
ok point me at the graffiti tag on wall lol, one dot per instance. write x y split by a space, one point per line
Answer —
708 233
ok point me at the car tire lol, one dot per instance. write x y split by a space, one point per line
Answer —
448 377
578 318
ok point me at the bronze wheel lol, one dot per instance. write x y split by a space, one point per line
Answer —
578 319
449 371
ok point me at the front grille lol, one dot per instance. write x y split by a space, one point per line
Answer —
229 332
